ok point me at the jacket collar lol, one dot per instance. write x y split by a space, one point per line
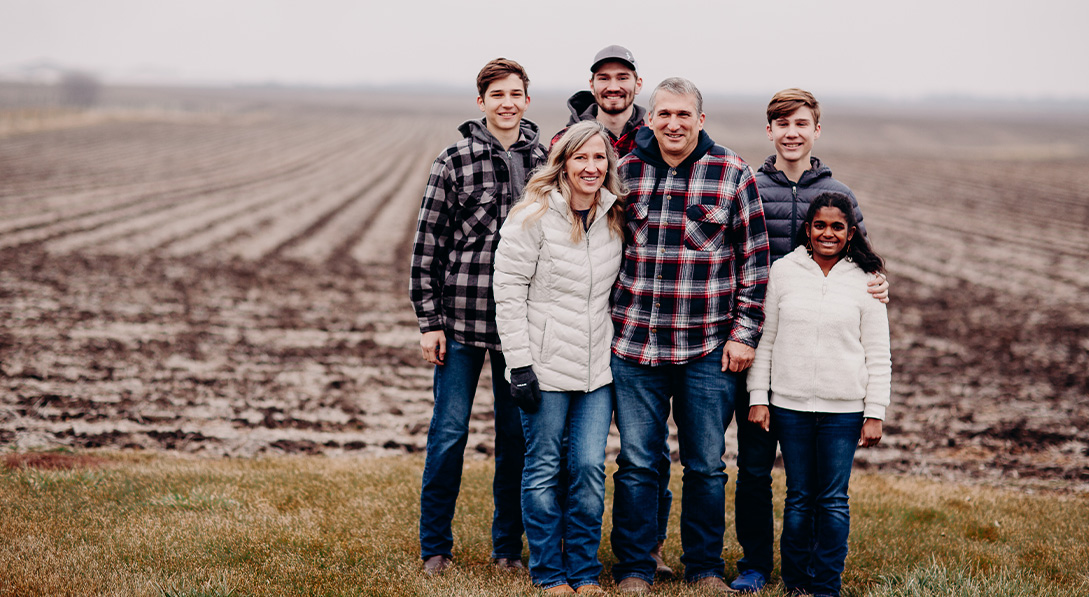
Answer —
477 130
583 106
605 201
816 170
646 149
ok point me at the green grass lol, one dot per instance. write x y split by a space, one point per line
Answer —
162 525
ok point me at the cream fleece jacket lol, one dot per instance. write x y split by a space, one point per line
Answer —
825 346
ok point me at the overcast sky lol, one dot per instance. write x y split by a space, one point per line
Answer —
902 50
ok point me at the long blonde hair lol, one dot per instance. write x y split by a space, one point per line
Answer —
550 178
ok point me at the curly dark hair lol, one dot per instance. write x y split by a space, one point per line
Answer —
858 249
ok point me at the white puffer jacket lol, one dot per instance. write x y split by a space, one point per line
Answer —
552 295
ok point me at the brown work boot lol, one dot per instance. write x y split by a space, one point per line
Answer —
661 568
509 564
590 590
559 590
436 565
633 584
713 585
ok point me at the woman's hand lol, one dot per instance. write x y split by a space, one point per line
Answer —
760 415
871 433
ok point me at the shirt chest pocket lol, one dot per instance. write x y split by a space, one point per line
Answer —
479 212
705 227
638 225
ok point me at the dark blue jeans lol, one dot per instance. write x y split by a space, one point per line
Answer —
665 496
703 402
564 534
455 387
753 518
818 451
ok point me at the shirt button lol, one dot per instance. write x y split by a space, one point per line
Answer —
662 251
654 330
657 304
668 197
673 172
659 276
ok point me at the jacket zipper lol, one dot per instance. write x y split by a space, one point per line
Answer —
589 315
793 214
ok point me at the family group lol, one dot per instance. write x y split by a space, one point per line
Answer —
631 270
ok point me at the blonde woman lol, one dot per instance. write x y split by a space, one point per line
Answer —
559 254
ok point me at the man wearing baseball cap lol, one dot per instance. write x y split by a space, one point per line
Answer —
614 83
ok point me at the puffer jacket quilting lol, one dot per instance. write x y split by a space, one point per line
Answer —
552 296
784 211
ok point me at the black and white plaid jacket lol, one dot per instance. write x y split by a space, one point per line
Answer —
468 195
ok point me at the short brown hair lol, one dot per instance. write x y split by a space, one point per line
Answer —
500 68
787 101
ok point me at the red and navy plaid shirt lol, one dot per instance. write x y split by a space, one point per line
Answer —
696 263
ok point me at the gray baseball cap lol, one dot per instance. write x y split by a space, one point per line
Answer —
611 53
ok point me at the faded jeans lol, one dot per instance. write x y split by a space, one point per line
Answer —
455 387
703 403
564 532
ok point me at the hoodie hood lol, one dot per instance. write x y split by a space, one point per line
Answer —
583 106
816 171
646 148
529 133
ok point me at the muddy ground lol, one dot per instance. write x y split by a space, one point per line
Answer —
214 354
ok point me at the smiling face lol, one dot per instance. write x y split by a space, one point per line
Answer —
503 104
585 170
828 235
614 86
793 137
676 122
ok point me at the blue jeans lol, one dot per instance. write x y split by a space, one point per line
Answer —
818 451
753 516
703 402
665 496
455 387
564 532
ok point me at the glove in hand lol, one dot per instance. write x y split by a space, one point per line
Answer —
525 390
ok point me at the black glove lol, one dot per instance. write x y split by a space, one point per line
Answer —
525 390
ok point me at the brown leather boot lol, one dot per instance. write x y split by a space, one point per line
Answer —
436 565
661 569
633 584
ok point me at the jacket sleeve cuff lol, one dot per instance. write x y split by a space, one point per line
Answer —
874 411
518 358
429 324
758 398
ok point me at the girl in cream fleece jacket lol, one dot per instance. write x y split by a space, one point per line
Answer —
824 366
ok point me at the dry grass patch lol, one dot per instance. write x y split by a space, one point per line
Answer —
158 525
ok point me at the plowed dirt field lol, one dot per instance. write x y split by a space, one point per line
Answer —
227 275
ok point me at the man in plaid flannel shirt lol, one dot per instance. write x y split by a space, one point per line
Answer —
614 83
688 309
472 186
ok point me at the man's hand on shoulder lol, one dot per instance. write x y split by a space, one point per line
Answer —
433 345
737 357
878 286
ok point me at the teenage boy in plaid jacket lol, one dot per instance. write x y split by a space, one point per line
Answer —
472 186
688 311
